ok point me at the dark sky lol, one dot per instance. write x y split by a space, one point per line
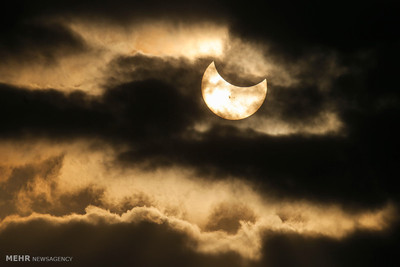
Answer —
152 112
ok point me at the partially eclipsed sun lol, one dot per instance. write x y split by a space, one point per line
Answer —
228 101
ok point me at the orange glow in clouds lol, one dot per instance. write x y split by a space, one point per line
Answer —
219 215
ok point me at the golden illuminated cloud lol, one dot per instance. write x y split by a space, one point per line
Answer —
87 70
219 215
95 68
323 124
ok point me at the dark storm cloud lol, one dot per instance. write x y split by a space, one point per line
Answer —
144 109
38 41
324 168
361 249
149 244
156 112
297 105
48 112
178 72
142 244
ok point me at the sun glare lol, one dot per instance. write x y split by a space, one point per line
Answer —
213 47
218 97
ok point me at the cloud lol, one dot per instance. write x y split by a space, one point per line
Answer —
74 53
159 124
105 136
40 41
294 249
95 56
33 187
140 243
218 217
245 242
156 244
44 47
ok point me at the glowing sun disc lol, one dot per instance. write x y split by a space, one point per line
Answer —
229 101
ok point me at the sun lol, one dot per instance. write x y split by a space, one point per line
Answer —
229 101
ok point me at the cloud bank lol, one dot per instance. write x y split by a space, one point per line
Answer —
107 147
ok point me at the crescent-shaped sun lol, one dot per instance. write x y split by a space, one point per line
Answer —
229 101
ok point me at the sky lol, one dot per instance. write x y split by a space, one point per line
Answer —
109 154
